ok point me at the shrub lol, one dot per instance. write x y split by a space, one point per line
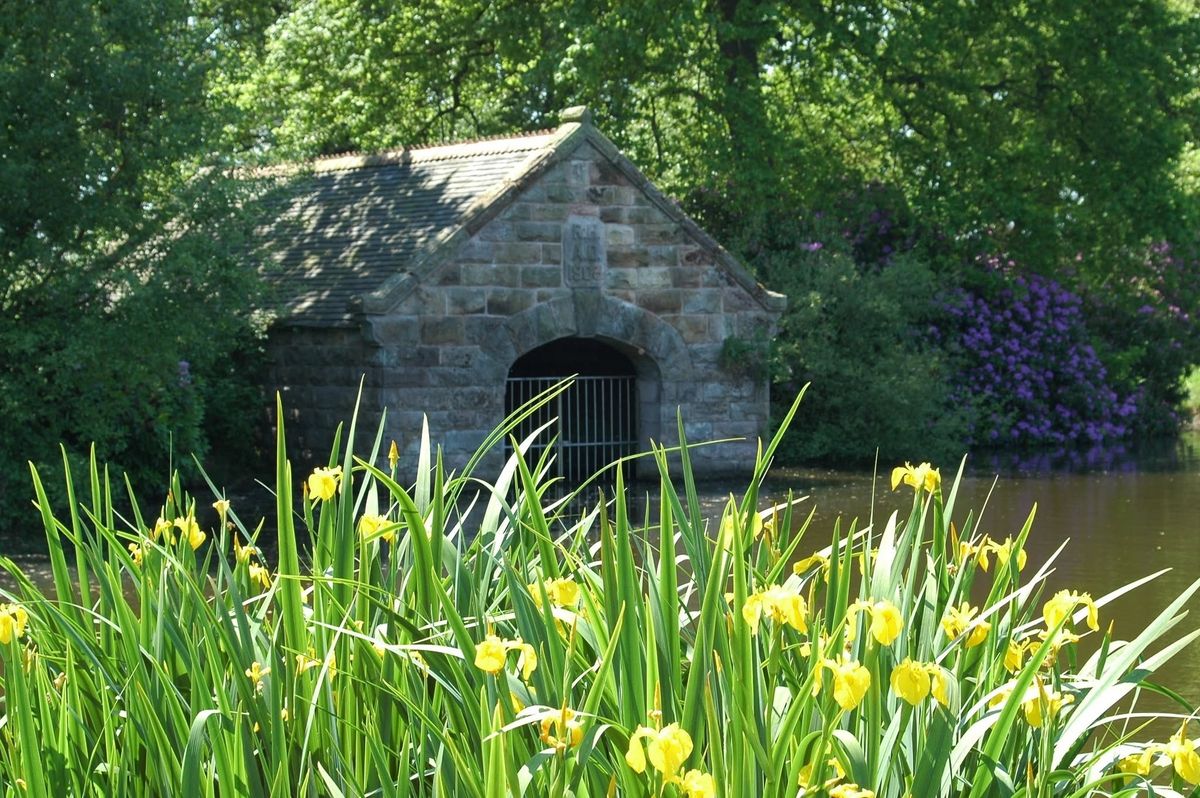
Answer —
858 336
419 649
1027 364
860 303
1146 333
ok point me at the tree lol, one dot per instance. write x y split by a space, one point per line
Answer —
1044 130
124 282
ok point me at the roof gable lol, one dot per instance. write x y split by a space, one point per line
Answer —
357 234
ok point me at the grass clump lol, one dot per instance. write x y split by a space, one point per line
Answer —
426 645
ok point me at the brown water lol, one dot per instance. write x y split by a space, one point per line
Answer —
1138 515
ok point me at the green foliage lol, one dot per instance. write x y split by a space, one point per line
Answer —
123 265
1147 332
1051 129
1191 388
856 335
419 649
861 304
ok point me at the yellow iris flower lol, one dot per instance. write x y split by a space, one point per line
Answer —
850 791
922 477
323 483
780 604
242 553
1014 656
306 662
733 522
850 682
913 681
1063 603
1179 750
260 576
191 531
1003 552
806 775
13 619
393 455
370 526
560 730
697 784
808 562
490 656
561 592
668 749
886 620
939 678
958 619
1043 705
255 673
1184 758
162 528
910 681
1137 764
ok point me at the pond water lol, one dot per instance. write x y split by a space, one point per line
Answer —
1126 514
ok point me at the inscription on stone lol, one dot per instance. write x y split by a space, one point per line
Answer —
583 252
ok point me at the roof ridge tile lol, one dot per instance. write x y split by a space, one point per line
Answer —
359 159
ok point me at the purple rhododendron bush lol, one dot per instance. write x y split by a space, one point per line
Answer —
465 634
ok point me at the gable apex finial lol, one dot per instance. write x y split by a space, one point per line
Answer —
579 114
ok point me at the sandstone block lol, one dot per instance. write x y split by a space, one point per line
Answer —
627 257
543 212
504 275
518 252
661 301
443 330
620 278
699 301
618 235
660 234
496 231
507 301
541 276
654 277
537 231
517 212
464 301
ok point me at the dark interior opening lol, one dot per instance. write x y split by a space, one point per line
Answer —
595 422
568 356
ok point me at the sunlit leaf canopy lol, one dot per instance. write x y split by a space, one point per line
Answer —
1057 128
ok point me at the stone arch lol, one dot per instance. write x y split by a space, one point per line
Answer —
661 358
612 320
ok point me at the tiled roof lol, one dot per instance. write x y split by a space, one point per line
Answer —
346 224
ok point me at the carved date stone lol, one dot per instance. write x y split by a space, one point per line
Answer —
583 252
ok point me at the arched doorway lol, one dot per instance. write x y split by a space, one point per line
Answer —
596 417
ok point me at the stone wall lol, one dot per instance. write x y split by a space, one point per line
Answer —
586 249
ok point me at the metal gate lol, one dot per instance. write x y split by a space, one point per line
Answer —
594 422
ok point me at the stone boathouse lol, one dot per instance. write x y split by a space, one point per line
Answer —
458 280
